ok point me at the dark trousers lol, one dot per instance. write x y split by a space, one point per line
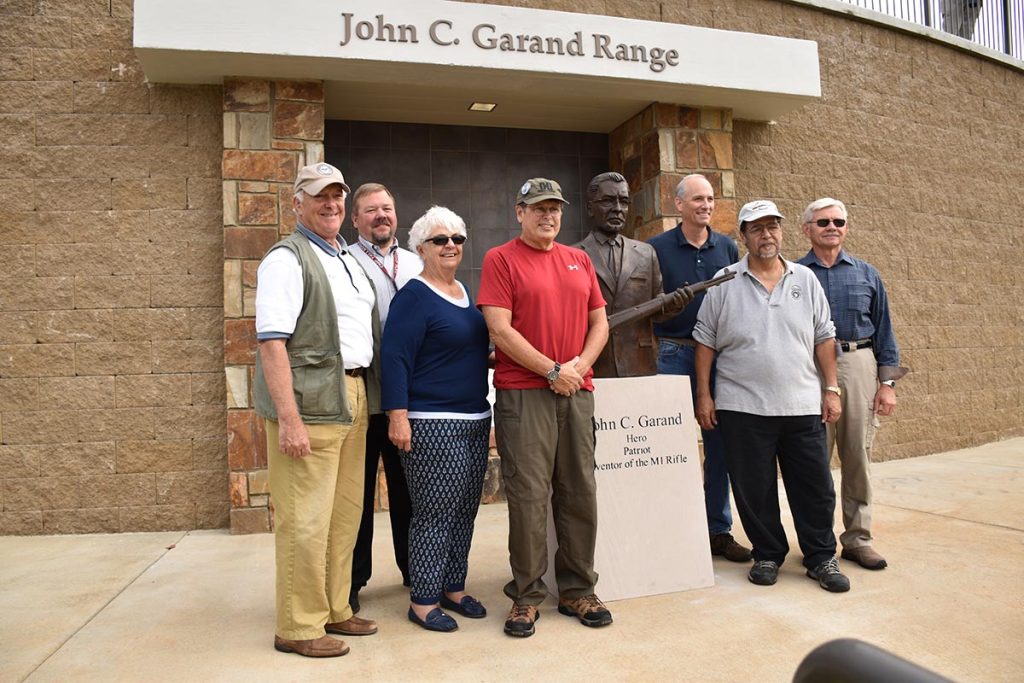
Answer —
546 443
753 446
379 446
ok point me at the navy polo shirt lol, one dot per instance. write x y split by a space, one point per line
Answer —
681 264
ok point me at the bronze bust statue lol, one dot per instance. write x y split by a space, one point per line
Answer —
629 275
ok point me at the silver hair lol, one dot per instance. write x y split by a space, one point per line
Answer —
823 203
436 216
681 187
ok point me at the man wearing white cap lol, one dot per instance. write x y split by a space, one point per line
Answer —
317 378
769 327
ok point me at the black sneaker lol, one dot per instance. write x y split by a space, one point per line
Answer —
829 577
520 620
764 573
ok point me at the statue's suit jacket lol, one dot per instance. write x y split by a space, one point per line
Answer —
631 350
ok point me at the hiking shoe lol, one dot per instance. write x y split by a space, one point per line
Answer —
724 545
764 573
829 577
589 610
520 620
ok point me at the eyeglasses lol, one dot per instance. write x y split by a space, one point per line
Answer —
441 240
823 222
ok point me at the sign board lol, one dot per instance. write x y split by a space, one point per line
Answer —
652 531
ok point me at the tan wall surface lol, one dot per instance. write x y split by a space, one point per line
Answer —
112 404
112 397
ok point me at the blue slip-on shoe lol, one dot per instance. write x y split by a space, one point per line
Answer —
468 606
436 621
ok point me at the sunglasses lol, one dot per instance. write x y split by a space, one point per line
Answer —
823 222
441 240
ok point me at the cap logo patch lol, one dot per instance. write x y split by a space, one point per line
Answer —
324 169
525 188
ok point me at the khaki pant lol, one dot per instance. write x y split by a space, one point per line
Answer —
318 501
852 436
546 442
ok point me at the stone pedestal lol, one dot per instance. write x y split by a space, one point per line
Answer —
652 534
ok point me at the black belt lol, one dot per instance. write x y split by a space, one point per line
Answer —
854 345
682 341
355 372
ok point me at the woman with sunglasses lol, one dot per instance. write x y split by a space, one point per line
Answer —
434 381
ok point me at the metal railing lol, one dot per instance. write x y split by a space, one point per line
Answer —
995 24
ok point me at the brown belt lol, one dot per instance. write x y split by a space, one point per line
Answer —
682 341
355 372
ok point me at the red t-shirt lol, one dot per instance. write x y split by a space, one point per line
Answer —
550 294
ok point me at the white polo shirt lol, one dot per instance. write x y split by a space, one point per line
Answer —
765 342
279 295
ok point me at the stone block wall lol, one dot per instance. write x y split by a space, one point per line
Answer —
112 400
271 129
656 148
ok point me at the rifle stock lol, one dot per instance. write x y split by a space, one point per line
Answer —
655 305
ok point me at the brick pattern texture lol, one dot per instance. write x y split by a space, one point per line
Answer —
271 129
132 216
112 402
660 145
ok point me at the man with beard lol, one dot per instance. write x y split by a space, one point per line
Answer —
390 267
868 367
769 327
629 274
689 253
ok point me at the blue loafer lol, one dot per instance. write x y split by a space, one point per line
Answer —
468 606
436 621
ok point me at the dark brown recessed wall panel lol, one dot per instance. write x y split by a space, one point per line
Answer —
475 172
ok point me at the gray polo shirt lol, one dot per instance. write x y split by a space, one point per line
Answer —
765 342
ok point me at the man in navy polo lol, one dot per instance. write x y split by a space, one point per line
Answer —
689 253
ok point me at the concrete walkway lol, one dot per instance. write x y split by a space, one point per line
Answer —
198 606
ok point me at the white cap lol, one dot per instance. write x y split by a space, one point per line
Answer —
751 211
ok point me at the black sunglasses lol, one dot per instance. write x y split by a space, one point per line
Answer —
823 222
441 240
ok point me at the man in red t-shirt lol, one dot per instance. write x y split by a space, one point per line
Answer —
546 315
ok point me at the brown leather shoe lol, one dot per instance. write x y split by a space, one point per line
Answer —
726 546
865 556
353 626
324 646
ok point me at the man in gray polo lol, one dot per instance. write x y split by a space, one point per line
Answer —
769 327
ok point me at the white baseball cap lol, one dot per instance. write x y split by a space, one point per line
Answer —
751 211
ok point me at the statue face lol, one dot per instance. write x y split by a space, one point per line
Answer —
609 208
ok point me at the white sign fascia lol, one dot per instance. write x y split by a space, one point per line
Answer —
483 37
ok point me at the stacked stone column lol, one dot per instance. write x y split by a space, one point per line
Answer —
657 147
271 129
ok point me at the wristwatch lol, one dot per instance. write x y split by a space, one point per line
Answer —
553 373
891 383
835 390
